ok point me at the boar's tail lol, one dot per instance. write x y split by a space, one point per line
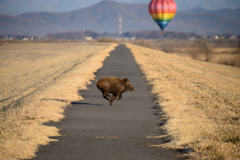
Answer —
96 80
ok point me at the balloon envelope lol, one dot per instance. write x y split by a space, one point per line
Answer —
162 11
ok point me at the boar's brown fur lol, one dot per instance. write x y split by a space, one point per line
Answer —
115 86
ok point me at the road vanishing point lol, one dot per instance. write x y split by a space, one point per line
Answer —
94 130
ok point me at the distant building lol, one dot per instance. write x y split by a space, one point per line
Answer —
133 38
221 37
89 38
232 37
25 39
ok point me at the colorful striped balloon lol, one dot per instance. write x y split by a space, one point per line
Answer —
162 11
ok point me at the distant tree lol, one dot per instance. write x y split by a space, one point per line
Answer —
205 47
67 35
128 34
193 50
92 34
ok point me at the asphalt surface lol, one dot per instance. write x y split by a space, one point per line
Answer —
94 130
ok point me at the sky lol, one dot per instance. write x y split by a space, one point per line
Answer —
16 7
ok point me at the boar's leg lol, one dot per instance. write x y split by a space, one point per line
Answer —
106 96
119 96
113 97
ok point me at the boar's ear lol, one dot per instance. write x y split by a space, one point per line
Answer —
126 80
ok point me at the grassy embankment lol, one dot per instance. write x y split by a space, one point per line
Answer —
217 51
200 101
38 81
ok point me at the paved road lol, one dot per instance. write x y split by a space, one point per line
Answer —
94 130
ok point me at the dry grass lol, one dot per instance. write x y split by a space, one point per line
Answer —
165 45
229 56
204 50
200 101
37 81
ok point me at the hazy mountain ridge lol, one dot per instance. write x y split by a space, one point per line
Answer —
103 17
230 14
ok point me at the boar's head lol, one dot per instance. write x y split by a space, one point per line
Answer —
129 87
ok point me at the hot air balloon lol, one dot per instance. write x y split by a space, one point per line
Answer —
162 11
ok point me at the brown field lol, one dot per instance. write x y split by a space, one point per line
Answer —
38 81
200 102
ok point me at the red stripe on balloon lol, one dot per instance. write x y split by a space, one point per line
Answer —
162 6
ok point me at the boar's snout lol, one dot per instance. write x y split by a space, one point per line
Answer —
132 88
129 87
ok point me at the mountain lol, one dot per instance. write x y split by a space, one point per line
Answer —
207 4
205 23
197 10
103 17
229 14
16 7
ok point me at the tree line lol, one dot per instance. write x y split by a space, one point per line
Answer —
155 34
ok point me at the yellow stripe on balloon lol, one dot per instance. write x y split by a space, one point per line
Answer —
163 16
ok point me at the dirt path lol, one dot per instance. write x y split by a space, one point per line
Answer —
94 130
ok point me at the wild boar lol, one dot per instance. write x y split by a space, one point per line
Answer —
115 86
